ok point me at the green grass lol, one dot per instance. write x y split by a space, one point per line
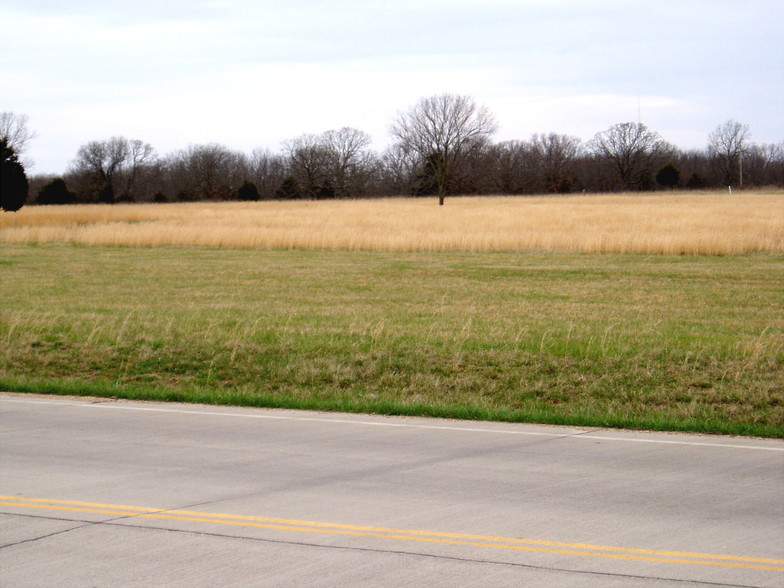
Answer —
654 342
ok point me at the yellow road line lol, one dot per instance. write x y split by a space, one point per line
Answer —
509 543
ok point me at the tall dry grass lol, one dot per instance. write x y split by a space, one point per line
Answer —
674 223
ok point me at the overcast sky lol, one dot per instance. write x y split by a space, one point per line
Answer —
249 74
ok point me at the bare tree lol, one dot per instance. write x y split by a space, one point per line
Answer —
632 151
350 160
13 128
443 130
555 154
398 170
207 172
99 163
727 146
268 171
110 170
139 158
309 161
334 164
516 168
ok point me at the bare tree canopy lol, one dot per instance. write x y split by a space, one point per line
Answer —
727 145
632 150
13 128
207 172
112 166
334 164
442 130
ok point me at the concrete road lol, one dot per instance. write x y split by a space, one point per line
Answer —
112 493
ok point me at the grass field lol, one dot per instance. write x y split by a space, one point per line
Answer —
619 340
668 224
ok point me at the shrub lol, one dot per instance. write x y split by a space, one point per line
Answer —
55 192
248 192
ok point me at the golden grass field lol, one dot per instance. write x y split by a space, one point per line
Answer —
711 223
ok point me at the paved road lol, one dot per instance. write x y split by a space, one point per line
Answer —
108 493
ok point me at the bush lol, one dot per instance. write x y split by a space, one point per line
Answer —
248 192
668 176
55 192
289 189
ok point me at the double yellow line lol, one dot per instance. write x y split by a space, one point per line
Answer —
509 543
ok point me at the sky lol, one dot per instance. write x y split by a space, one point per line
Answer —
251 74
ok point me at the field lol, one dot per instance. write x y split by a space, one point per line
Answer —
671 224
350 315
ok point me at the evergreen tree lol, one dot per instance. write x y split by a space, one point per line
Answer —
668 176
55 192
248 192
13 180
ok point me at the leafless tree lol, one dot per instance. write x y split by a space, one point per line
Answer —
99 163
206 172
632 151
111 169
13 128
267 171
443 130
309 161
334 164
727 146
516 168
555 154
350 160
762 164
398 169
139 159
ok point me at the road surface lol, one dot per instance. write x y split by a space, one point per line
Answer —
115 493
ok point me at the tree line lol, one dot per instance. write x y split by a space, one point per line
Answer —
440 146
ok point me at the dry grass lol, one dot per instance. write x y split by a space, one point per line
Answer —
711 223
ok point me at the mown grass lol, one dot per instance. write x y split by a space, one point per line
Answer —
690 343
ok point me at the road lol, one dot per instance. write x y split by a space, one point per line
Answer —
115 493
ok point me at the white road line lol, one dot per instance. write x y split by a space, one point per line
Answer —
586 434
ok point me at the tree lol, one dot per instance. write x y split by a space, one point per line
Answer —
98 162
13 128
399 171
334 164
289 189
516 167
309 162
55 192
207 172
555 153
13 180
632 151
267 171
110 169
727 146
248 192
668 176
443 130
350 161
140 156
